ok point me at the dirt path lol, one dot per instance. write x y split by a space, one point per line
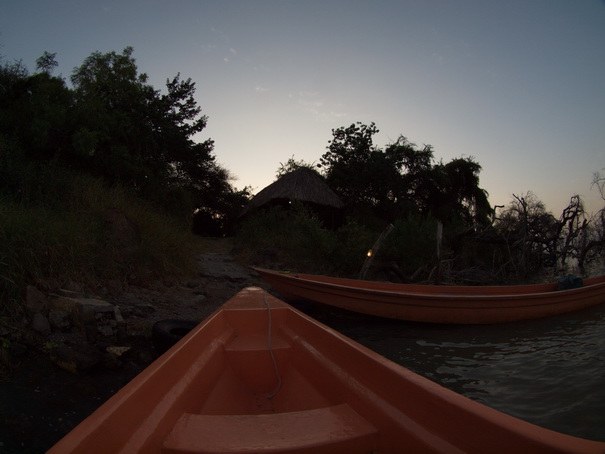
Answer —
40 402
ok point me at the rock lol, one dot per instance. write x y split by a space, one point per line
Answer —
40 324
74 286
221 266
105 330
48 285
74 361
68 293
59 320
120 324
117 350
35 301
92 316
111 362
115 356
200 291
193 283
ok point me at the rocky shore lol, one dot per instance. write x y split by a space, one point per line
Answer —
80 348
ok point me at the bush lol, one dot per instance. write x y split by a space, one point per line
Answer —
352 242
294 234
52 228
294 238
411 244
36 243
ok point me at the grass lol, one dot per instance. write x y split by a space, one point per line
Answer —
61 236
295 239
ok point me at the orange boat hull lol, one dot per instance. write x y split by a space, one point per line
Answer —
254 379
436 303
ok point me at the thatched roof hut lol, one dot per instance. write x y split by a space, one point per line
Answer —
303 185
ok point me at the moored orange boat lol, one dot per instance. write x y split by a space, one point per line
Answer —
260 376
437 303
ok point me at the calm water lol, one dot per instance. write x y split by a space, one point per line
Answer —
550 372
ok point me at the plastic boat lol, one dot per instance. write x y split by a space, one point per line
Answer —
258 376
437 303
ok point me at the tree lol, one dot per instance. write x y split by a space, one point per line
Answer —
593 242
523 225
458 194
34 110
345 163
537 239
115 125
220 216
402 179
134 134
113 133
365 177
47 63
571 231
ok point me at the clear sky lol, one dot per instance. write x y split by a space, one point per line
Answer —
518 85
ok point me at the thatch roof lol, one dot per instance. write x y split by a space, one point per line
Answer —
303 185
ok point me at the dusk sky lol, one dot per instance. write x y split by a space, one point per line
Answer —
518 85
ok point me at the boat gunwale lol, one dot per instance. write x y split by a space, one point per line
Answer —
516 299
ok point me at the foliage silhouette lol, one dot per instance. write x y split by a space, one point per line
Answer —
402 179
113 124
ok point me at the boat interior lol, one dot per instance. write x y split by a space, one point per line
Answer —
259 376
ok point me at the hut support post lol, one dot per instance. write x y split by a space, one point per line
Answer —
372 252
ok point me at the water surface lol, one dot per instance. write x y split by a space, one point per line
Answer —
550 372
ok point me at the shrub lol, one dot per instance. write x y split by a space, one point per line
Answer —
52 228
296 239
411 244
293 233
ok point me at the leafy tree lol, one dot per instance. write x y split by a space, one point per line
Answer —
134 134
113 133
457 192
402 179
220 216
115 125
360 173
414 181
34 110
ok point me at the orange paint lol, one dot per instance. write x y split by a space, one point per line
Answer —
218 391
437 303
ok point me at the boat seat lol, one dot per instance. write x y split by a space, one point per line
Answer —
336 429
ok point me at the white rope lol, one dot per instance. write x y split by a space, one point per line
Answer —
278 386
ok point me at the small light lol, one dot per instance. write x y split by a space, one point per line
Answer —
370 252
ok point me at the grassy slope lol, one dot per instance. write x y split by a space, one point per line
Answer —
60 236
